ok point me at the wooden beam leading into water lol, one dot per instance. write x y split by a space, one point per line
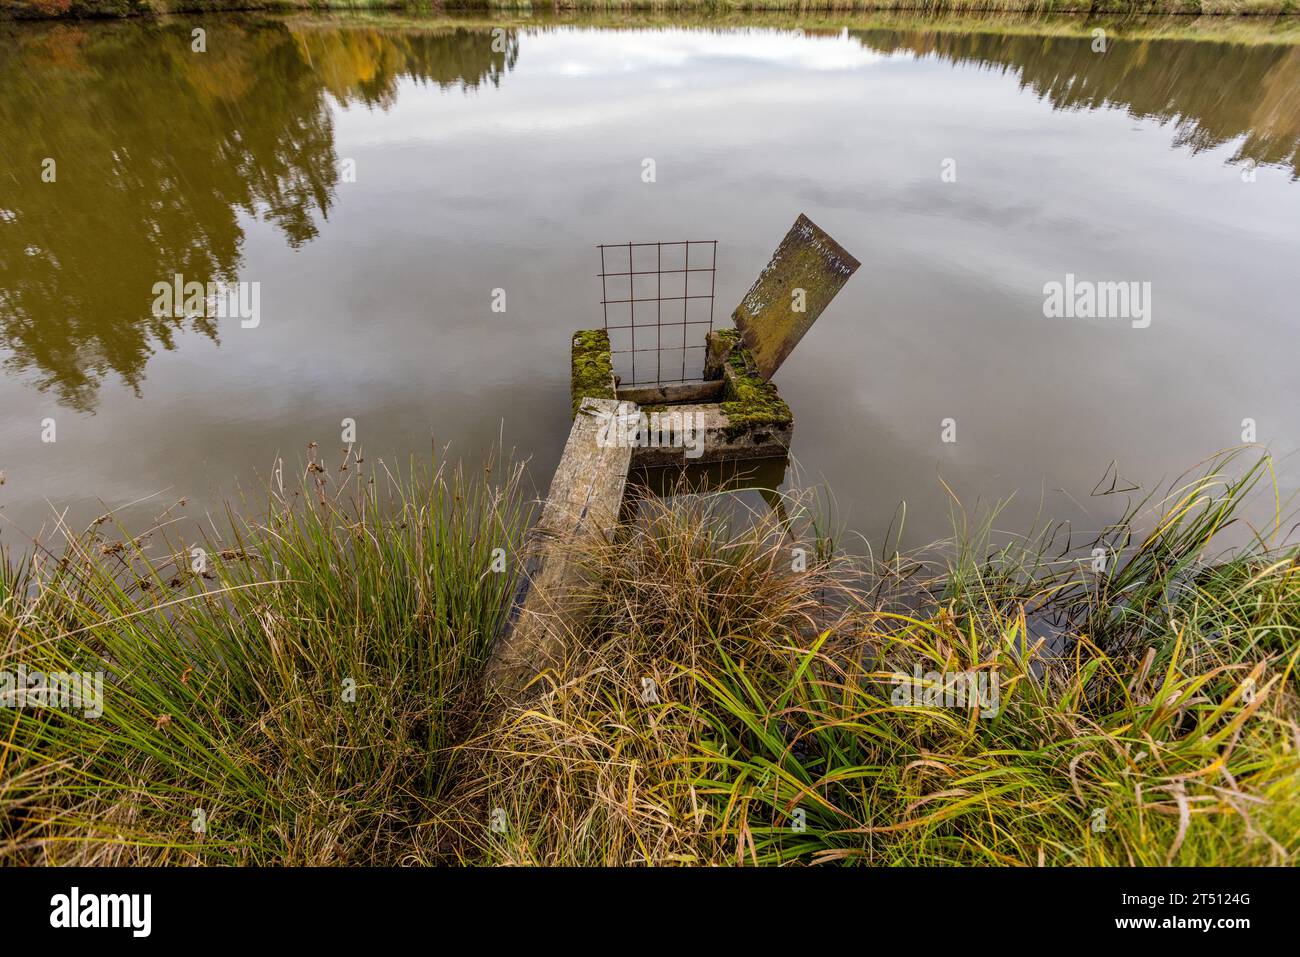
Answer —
582 507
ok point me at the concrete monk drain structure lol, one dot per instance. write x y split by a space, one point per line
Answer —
733 412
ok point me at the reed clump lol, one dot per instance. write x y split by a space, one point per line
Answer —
283 693
1138 711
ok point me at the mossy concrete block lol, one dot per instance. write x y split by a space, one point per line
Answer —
715 437
751 403
805 273
717 346
593 368
750 420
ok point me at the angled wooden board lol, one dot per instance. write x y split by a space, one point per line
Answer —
583 504
806 271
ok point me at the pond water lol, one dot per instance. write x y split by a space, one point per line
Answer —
381 180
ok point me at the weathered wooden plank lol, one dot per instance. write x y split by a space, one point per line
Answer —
670 392
582 506
805 273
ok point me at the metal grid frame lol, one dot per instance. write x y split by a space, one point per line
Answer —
659 324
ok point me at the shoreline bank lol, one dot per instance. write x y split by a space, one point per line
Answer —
124 9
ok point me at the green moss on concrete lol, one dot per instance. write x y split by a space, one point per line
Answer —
719 344
749 401
593 367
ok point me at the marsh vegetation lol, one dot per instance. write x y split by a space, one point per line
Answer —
316 690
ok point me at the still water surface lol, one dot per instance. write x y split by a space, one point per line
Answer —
482 167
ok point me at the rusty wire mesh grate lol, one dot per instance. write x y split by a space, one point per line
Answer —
673 288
